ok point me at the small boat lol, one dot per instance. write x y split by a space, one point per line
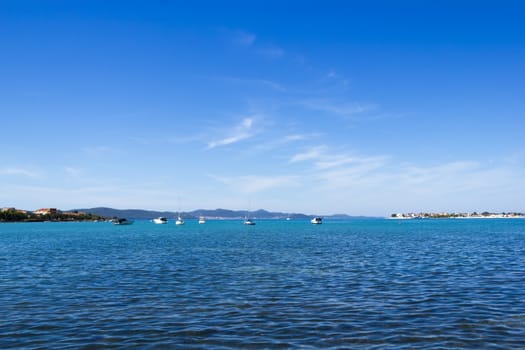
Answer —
122 221
179 221
249 222
317 221
160 220
202 220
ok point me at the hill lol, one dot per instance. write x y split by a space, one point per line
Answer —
140 214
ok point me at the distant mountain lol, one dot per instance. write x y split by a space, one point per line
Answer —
139 214
127 213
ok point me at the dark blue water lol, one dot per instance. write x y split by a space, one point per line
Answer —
371 284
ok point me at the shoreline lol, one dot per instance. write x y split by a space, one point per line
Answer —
456 217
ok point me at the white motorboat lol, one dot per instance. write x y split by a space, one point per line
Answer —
202 220
160 220
317 221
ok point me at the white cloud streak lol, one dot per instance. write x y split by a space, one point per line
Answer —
98 150
14 171
253 183
243 38
337 108
72 171
457 185
254 82
242 131
272 52
314 153
249 40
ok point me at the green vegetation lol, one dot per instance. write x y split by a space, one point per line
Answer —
14 215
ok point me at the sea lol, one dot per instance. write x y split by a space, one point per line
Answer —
345 284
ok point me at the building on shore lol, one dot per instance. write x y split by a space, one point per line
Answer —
47 211
6 209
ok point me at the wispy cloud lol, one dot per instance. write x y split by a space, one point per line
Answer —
273 85
242 131
255 82
272 52
242 38
457 176
457 185
278 142
339 168
313 153
152 141
14 171
340 160
72 171
295 137
255 183
98 150
341 175
345 109
332 75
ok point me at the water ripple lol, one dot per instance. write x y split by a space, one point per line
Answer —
357 284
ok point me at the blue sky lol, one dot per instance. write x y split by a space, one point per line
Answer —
357 107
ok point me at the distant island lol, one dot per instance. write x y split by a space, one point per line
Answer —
445 215
218 214
104 213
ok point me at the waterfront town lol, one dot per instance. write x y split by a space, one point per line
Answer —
446 215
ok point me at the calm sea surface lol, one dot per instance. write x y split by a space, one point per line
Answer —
359 284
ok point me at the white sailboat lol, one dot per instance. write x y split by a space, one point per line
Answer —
179 221
248 221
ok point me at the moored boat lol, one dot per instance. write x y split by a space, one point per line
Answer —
122 221
249 222
160 220
317 221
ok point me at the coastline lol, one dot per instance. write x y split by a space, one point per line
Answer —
462 216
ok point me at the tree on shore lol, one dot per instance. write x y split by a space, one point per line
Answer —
11 215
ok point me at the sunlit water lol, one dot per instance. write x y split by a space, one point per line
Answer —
359 284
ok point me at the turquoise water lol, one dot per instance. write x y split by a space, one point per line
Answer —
360 284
